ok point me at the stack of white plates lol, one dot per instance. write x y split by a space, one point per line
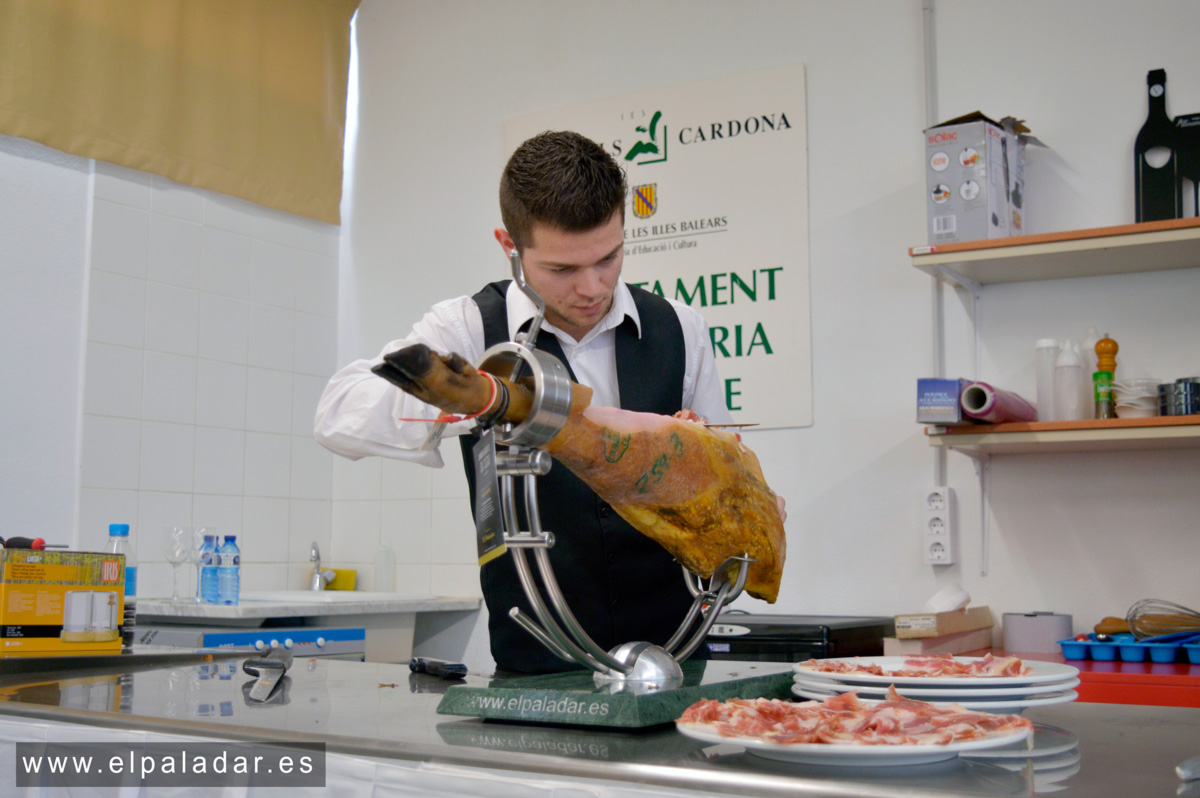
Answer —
1047 683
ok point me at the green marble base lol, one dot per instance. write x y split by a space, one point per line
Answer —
574 699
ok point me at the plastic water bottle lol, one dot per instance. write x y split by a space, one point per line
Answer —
209 593
229 571
1046 358
119 543
1069 384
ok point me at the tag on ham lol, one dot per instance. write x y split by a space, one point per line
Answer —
698 492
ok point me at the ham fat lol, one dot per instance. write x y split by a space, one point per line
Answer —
698 492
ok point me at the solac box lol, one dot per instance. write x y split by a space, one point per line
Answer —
975 178
61 601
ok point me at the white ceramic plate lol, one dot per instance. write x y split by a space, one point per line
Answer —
1003 706
858 755
943 692
1048 743
1039 672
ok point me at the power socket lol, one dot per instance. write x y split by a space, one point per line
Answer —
938 533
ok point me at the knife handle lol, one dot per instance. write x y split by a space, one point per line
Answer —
278 658
438 667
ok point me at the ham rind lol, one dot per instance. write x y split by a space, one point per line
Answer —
929 665
698 492
844 720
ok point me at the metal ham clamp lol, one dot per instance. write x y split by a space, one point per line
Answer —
631 667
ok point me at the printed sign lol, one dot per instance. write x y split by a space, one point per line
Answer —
717 217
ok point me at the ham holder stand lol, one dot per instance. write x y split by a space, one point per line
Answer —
629 673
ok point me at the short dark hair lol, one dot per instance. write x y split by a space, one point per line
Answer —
560 179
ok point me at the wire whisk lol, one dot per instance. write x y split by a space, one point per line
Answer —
1154 617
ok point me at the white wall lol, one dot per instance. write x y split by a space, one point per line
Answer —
1075 534
211 332
45 195
163 351
1082 534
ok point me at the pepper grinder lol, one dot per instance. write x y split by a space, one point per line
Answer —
1102 379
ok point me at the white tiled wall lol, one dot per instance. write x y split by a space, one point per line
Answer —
212 328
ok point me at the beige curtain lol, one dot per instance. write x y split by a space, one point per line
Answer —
244 97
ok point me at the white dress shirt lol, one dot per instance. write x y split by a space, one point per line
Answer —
359 413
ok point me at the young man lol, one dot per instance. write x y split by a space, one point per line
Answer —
562 201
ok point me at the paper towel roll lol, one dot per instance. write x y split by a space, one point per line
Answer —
1035 631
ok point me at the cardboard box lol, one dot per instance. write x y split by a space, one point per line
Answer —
957 643
61 601
937 624
975 178
939 401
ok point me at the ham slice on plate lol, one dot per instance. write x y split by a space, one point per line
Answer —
845 720
931 665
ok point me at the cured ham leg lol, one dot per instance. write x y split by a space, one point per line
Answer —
696 491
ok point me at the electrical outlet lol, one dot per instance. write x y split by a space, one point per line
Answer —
937 499
936 553
938 536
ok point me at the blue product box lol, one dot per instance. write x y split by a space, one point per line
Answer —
938 401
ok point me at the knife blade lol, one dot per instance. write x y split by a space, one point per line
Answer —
269 669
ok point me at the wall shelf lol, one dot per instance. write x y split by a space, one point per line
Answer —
1118 434
1126 249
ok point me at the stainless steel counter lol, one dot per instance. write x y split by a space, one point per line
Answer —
383 711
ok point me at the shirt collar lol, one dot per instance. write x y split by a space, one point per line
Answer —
521 311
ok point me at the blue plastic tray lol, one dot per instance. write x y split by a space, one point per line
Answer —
1129 649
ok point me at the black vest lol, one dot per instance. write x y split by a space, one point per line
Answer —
620 585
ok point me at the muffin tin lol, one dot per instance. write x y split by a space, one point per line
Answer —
1127 648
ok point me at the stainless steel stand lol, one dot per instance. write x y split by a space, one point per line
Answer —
630 667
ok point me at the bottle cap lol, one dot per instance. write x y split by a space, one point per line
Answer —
1069 355
118 530
230 538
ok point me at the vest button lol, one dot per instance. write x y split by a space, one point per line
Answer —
606 510
615 603
612 559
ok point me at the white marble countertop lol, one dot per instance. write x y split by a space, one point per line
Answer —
299 604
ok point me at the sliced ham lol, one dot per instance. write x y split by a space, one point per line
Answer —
929 665
845 720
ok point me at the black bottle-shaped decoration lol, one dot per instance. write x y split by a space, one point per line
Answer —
1157 190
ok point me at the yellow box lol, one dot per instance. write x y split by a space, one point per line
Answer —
62 601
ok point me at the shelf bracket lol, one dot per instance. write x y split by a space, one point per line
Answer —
948 275
983 464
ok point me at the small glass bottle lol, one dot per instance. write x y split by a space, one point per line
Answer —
1102 379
